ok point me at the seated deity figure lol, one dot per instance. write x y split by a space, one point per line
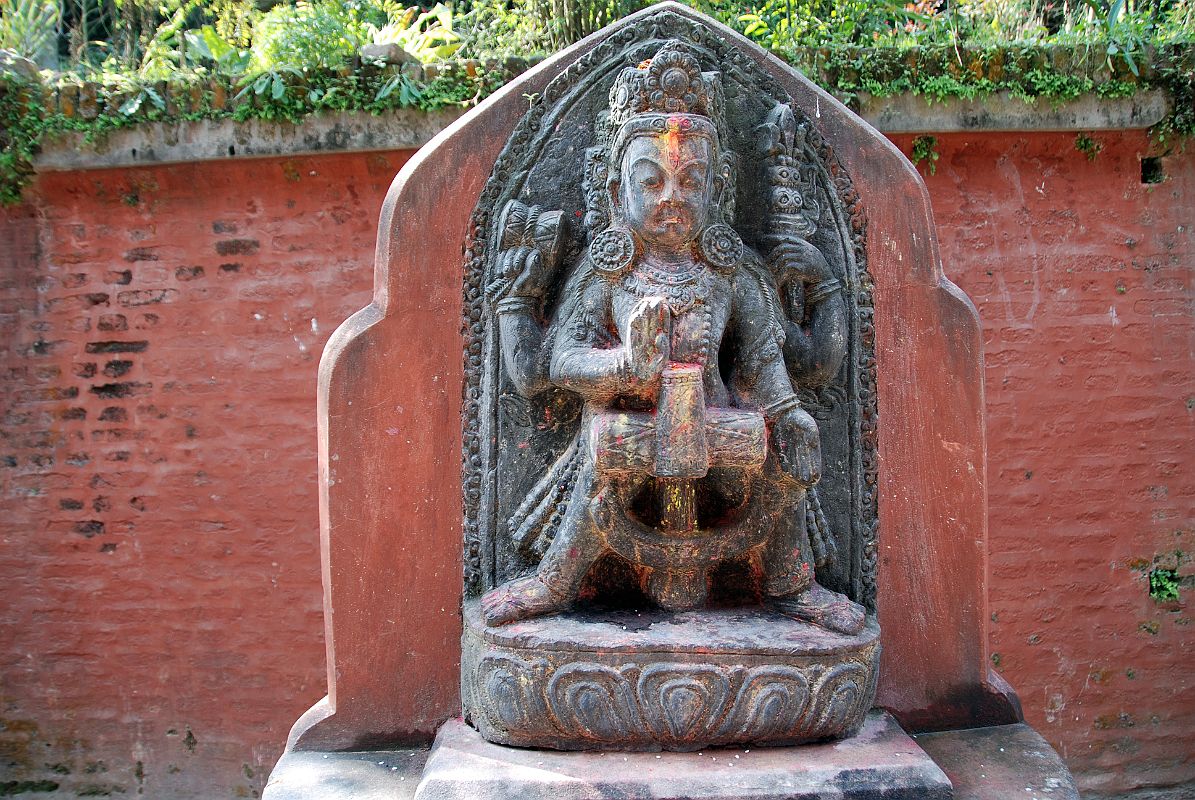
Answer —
693 447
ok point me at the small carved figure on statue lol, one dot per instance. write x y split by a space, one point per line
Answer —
687 348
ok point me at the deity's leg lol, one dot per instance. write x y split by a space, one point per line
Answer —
788 556
554 585
790 585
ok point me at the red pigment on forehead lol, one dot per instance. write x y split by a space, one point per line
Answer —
671 139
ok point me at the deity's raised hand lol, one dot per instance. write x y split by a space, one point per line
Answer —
795 259
528 273
647 346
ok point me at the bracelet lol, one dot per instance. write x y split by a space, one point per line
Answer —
518 305
778 407
821 290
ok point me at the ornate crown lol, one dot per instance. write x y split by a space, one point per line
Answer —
668 91
671 82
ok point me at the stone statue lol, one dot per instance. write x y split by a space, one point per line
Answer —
693 447
669 420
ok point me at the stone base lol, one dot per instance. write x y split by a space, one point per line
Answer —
881 761
999 762
659 680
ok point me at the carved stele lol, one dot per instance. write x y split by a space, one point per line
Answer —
669 414
391 401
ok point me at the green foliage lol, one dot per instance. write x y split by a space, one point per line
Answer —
1163 584
568 21
323 34
501 29
207 43
781 23
1088 147
29 28
301 56
1175 67
925 148
21 130
429 36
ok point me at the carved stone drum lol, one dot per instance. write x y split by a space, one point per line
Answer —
652 680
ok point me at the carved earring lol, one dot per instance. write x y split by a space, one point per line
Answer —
613 250
721 247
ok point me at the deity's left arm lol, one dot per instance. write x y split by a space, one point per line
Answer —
814 351
759 378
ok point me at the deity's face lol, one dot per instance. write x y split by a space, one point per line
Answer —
665 187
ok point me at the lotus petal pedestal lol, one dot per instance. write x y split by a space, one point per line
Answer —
654 680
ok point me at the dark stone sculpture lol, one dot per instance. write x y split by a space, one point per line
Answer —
670 510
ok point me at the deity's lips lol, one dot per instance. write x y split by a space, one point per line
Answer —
670 219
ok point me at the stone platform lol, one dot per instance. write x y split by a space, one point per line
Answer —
881 761
623 680
993 763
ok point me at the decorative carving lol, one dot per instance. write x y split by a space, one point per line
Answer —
663 405
584 699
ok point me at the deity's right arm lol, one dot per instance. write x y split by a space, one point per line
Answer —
522 338
584 360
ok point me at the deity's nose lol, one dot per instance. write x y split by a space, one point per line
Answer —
668 195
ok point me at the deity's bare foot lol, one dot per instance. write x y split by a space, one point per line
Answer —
824 608
519 599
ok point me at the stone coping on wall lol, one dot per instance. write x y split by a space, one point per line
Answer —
349 131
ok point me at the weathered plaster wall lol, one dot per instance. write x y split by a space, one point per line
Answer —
1084 281
159 334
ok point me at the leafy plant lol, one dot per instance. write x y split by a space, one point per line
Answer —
428 36
1088 146
409 92
29 28
21 129
925 148
322 34
161 55
270 82
207 43
1163 584
1122 38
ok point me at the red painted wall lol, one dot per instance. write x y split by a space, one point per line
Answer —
159 335
1084 281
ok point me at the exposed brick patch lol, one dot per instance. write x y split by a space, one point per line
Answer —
117 347
115 391
141 254
114 369
89 528
145 297
237 247
113 322
113 414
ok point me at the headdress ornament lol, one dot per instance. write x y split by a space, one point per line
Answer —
668 91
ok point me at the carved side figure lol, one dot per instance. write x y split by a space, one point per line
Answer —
684 344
